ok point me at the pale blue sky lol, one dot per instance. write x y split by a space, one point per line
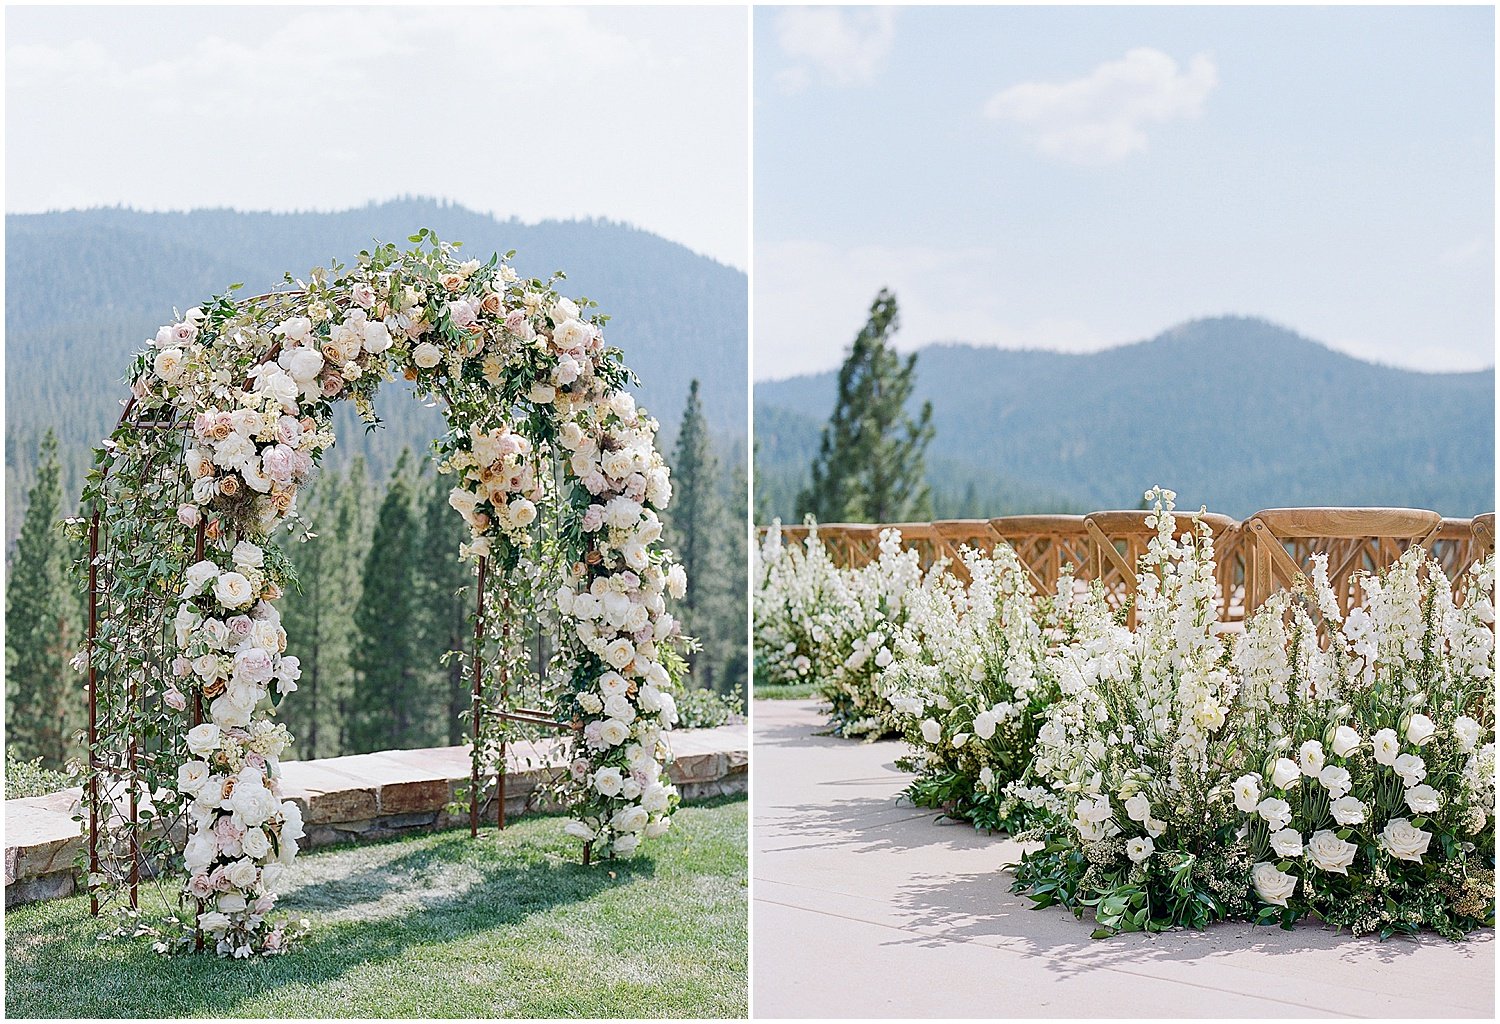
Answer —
635 114
1082 177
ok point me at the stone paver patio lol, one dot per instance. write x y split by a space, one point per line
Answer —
867 907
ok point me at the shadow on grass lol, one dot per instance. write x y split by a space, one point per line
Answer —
386 913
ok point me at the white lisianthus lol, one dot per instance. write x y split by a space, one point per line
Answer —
1276 812
1139 849
1285 773
1273 885
1419 729
1138 807
1310 758
1345 741
1423 799
1347 810
932 732
1336 780
1411 769
1247 793
1330 853
1386 745
1404 841
1467 731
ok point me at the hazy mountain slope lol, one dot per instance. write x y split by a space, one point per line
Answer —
85 288
1236 413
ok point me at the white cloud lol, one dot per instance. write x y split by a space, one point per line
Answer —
1102 117
811 298
841 45
531 112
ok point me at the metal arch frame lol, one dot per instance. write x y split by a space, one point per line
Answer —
102 766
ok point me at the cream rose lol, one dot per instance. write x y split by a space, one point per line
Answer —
1273 885
1330 853
1404 841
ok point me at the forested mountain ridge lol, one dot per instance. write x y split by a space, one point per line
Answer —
85 288
1233 412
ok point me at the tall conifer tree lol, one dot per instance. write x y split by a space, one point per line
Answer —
445 600
386 689
45 699
871 462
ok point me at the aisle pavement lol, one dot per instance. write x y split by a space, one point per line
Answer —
866 907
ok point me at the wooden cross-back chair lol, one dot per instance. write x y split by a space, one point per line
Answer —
953 535
1483 529
851 545
1280 543
1044 544
1118 539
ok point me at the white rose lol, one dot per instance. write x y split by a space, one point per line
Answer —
676 582
1419 729
1347 810
256 843
619 653
1272 885
191 776
199 852
608 781
564 309
427 355
376 337
614 732
629 819
627 843
198 576
1287 842
243 873
522 512
304 364
213 922
231 903
1247 793
658 827
168 364
247 555
232 590
1422 799
271 876
1387 746
1404 841
579 830
1285 773
1330 853
1310 758
203 739
1467 730
1345 741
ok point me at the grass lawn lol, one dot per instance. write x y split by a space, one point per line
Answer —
510 925
796 691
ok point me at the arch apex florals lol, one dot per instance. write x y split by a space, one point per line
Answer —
555 472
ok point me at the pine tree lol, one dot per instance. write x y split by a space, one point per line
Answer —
386 692
870 465
45 699
698 533
445 595
737 581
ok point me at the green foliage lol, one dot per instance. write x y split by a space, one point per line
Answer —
699 708
869 466
707 535
386 706
29 778
44 629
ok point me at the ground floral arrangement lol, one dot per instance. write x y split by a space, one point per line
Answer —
541 430
1315 765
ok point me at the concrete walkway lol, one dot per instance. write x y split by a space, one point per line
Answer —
863 907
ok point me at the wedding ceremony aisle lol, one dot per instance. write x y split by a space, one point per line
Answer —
864 906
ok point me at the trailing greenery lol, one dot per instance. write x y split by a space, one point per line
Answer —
509 925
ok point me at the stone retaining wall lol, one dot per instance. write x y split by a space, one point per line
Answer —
361 797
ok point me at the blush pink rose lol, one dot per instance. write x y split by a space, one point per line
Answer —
593 518
174 699
280 462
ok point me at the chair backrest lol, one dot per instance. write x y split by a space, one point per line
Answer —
1045 544
851 545
1484 534
953 535
1118 539
1281 542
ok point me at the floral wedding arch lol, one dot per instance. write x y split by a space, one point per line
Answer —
557 477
